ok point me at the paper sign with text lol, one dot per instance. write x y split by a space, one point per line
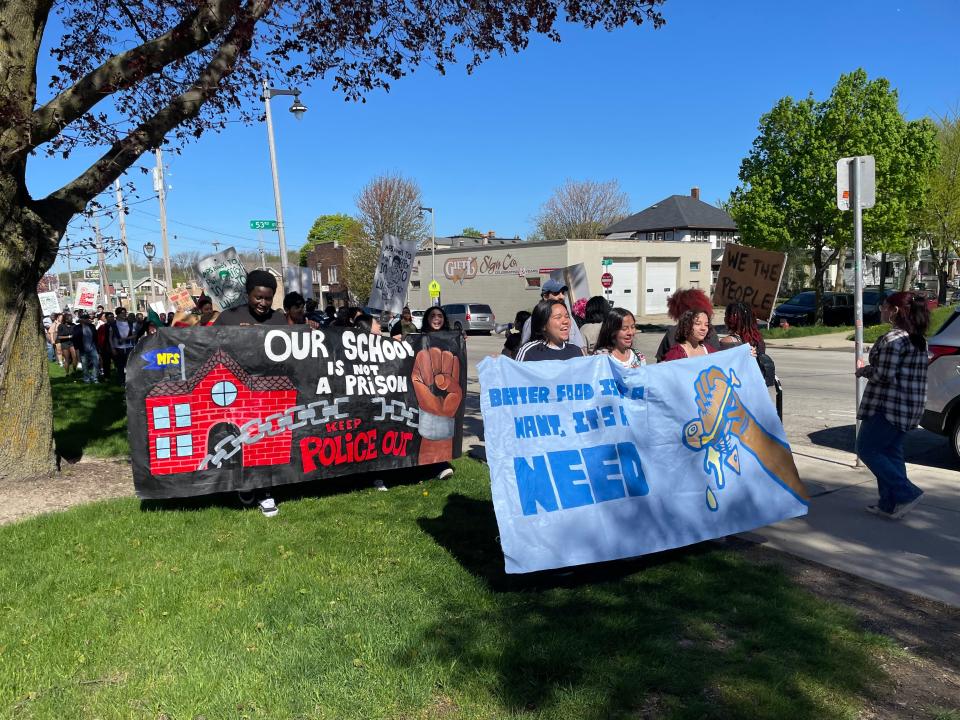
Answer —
181 299
751 276
592 462
224 278
49 303
389 291
86 298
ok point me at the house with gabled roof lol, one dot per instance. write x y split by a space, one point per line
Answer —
186 419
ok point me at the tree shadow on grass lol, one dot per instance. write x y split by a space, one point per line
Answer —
697 632
84 414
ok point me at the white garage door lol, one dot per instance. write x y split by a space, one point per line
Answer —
661 281
623 293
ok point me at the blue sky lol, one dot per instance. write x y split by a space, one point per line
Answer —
658 110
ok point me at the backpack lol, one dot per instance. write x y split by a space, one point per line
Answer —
767 368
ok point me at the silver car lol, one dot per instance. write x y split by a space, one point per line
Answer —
942 413
471 317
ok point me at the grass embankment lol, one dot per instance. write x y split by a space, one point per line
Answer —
871 333
394 605
937 318
88 419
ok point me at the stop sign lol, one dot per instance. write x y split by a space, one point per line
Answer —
606 280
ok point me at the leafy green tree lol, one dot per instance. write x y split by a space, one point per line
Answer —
940 215
786 199
329 228
471 232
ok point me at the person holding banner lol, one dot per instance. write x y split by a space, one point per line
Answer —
616 338
691 334
893 401
554 290
679 303
434 412
549 334
261 286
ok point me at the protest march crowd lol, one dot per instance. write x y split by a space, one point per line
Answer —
95 347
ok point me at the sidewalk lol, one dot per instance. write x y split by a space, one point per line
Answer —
919 554
828 341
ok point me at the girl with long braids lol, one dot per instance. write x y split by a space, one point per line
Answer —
893 401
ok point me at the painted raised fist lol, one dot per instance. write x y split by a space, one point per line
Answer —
436 382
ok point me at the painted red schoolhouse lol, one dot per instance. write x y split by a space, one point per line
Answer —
187 418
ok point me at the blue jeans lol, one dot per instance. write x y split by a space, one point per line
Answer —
880 446
91 364
51 354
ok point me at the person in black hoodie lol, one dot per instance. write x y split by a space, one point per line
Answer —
85 342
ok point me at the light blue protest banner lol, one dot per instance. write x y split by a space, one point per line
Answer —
592 462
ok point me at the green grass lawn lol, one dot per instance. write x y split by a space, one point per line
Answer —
937 318
394 605
88 419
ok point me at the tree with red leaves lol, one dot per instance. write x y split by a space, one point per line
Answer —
134 74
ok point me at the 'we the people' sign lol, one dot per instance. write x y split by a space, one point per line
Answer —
751 276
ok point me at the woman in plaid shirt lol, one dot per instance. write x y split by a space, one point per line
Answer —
893 401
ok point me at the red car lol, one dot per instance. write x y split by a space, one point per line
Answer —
931 295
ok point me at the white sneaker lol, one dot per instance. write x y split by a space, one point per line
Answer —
447 472
379 485
268 507
903 508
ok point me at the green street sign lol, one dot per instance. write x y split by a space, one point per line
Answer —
607 261
263 224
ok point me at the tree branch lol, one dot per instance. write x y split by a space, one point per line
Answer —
124 70
73 197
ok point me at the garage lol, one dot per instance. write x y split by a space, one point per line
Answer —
623 292
661 281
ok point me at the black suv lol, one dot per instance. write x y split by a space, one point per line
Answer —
801 309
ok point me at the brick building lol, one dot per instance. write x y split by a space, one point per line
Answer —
187 418
328 261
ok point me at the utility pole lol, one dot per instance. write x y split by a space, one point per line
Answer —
159 185
69 273
263 260
131 297
216 245
102 262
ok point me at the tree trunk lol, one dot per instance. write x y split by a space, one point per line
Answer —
818 270
26 434
839 280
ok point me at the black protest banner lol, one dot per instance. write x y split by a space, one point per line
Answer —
213 409
750 276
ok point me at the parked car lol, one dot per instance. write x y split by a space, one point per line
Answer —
942 412
872 300
417 318
801 309
931 295
470 317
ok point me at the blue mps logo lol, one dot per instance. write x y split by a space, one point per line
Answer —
162 358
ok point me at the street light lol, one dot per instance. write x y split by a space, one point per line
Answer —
433 242
149 249
298 109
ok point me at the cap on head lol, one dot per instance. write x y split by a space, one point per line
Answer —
552 286
260 278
